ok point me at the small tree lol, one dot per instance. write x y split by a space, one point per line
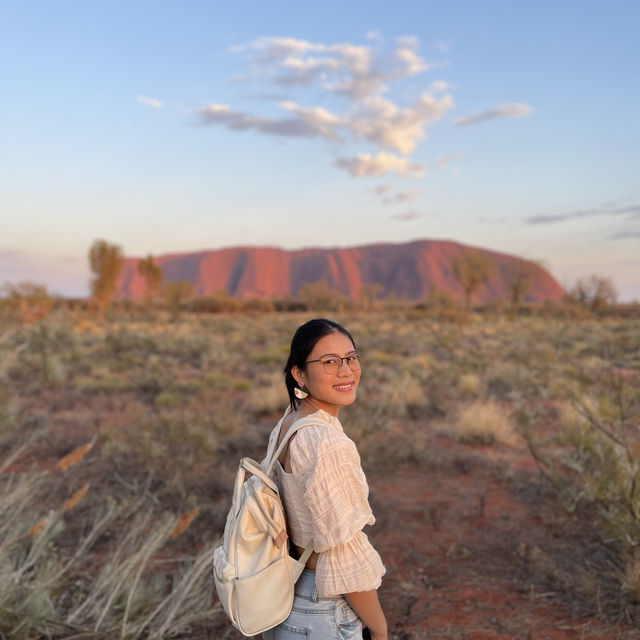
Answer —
520 275
28 301
318 296
471 269
595 293
105 261
368 295
176 294
153 276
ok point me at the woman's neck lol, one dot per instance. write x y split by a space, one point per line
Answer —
311 405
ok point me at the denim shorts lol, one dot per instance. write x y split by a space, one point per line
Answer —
316 618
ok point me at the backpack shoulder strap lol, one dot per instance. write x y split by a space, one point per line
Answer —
296 426
273 438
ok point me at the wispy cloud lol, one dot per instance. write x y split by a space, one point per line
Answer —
515 110
388 196
443 45
383 189
400 197
364 164
407 216
154 103
304 122
445 161
438 86
629 234
632 211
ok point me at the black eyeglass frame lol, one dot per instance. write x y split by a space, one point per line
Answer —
341 358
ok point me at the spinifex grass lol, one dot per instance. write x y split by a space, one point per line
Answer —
46 591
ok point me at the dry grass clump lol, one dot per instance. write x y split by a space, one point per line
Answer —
51 589
484 422
404 395
470 384
269 395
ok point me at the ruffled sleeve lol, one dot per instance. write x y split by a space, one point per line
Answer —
336 494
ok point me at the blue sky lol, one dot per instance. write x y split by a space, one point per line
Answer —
169 127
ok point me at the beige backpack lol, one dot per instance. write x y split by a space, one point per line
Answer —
253 571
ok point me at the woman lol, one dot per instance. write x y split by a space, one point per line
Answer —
325 492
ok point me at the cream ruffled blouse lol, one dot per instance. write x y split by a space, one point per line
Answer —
326 498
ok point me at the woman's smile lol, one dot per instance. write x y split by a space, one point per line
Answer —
344 386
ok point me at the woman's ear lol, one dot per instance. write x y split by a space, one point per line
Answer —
297 374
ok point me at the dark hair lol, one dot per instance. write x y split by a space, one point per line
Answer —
304 340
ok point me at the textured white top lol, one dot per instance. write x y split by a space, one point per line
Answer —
326 498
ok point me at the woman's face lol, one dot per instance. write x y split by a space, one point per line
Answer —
329 391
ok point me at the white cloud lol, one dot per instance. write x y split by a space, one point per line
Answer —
411 61
317 118
293 62
306 123
514 110
378 120
406 54
364 164
154 103
390 127
357 79
354 71
277 48
445 161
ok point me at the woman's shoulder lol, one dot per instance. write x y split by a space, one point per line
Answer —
321 439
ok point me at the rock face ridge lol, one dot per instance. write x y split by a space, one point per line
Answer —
405 271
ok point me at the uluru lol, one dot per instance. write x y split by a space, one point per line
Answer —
403 270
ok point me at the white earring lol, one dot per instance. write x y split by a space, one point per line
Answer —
299 393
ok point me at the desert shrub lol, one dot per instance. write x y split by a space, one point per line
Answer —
592 459
122 341
221 302
39 354
470 384
257 305
25 302
441 305
484 422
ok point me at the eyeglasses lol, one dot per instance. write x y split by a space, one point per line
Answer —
332 364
